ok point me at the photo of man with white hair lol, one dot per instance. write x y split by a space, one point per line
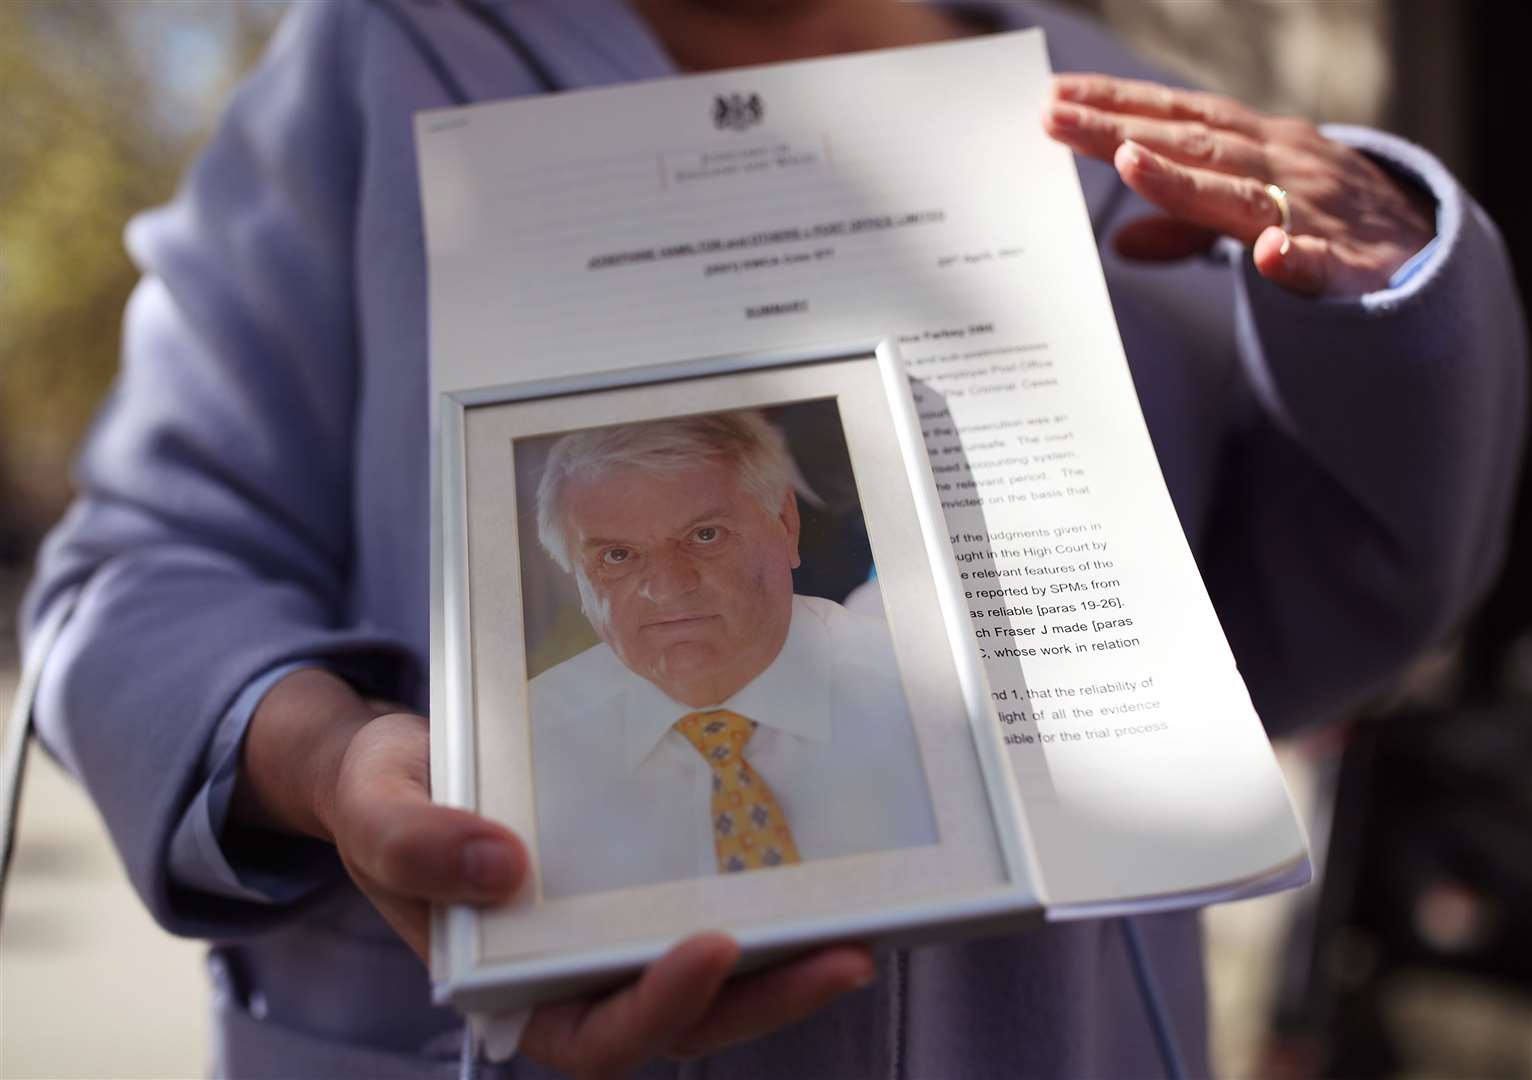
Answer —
722 724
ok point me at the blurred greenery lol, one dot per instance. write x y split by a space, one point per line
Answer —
105 100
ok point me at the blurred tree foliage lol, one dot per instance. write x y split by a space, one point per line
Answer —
86 142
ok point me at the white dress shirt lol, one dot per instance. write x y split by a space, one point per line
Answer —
622 799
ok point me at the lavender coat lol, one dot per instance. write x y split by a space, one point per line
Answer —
254 493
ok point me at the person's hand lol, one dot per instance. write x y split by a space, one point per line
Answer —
402 850
1206 160
682 1008
320 760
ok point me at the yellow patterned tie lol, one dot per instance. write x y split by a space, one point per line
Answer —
749 829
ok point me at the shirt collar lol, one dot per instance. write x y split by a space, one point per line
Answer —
792 695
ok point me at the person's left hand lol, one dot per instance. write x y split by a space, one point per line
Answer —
682 1008
1206 160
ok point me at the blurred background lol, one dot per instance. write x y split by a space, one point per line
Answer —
1412 956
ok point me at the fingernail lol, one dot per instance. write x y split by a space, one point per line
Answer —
1067 90
487 865
1064 116
1135 154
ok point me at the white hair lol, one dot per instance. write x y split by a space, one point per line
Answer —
744 439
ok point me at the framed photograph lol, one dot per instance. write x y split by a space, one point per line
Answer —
704 650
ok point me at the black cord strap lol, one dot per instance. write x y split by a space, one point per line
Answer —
18 732
491 20
1159 1020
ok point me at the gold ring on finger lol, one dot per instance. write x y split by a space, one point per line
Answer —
1278 197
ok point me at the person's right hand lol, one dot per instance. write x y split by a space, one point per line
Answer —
404 851
320 760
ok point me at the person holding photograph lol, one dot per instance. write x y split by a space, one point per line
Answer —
717 697
243 580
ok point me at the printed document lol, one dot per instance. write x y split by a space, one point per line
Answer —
909 194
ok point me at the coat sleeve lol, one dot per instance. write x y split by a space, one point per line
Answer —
211 537
1365 507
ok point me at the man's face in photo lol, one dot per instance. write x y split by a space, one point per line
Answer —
685 574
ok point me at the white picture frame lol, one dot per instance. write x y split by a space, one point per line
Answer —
978 872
